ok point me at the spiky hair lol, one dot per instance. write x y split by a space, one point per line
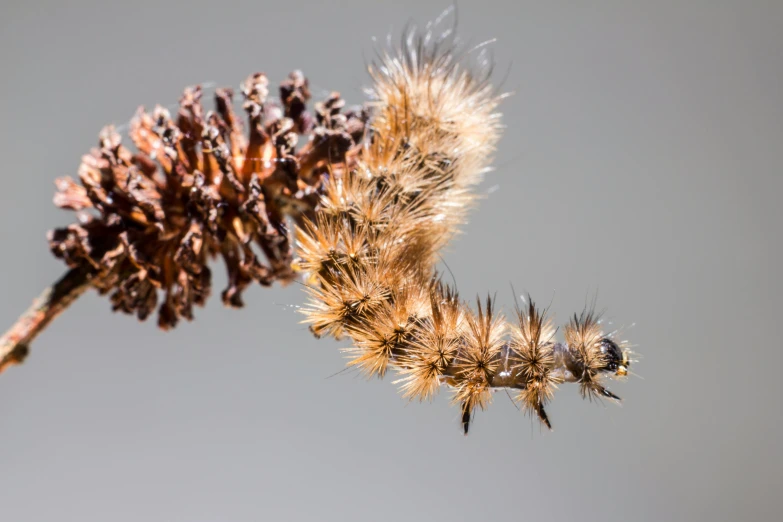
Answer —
433 130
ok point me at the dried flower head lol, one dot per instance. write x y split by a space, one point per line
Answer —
199 187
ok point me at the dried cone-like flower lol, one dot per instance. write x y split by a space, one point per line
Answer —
199 187
374 195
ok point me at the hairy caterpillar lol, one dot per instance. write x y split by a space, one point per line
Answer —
374 194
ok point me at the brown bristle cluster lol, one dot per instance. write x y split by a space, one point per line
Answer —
199 186
533 346
478 361
585 339
436 343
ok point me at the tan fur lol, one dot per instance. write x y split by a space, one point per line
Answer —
371 250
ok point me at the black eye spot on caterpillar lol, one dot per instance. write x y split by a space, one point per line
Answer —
616 360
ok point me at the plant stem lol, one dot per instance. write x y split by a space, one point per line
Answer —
15 344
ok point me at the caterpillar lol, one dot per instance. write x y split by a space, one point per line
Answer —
358 213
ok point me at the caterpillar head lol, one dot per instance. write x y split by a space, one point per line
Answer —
615 359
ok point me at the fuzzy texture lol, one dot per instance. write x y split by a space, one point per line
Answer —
533 349
370 253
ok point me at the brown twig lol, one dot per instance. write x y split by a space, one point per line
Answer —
15 344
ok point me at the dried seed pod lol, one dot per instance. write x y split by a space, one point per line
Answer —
197 188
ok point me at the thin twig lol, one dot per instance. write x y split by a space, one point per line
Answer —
15 344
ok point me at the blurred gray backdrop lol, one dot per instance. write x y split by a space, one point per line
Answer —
642 161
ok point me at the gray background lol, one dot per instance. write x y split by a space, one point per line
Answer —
642 160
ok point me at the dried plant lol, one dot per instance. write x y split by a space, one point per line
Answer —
373 195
